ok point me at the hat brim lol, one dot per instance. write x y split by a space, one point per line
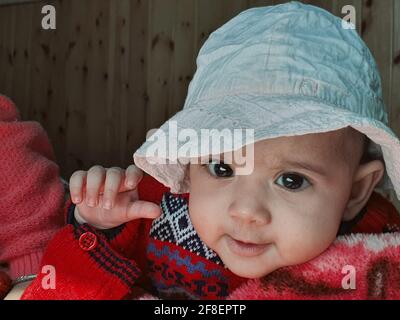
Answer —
270 117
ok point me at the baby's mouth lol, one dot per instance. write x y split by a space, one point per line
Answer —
245 249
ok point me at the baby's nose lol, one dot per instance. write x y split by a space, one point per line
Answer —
249 210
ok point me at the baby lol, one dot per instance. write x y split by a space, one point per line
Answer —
286 212
309 89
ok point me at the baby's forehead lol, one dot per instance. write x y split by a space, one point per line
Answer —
320 153
324 142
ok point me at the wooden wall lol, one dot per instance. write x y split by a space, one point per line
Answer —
114 69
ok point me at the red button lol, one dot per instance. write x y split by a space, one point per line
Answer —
88 241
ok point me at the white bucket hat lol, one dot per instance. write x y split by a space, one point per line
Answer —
284 70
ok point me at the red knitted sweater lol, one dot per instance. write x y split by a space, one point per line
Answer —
31 192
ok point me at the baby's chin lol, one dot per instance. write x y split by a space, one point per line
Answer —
250 270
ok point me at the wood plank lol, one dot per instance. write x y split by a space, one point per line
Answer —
14 2
184 56
40 70
9 46
136 94
327 5
162 17
22 58
120 97
98 125
79 36
377 26
222 11
376 31
55 89
112 103
264 3
3 50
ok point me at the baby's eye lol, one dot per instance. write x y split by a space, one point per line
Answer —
219 169
292 181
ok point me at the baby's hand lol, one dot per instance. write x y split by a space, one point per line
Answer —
106 198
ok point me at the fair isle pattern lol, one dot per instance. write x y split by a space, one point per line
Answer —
174 225
190 266
176 275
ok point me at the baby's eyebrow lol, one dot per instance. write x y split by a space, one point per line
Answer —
309 166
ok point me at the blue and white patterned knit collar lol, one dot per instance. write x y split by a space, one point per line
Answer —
174 225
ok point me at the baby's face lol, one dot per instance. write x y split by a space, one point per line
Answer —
286 212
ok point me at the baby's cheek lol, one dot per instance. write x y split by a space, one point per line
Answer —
306 240
198 225
200 220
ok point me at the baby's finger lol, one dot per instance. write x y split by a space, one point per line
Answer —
114 177
133 175
143 209
94 181
76 185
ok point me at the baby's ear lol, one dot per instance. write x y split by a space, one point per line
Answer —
365 179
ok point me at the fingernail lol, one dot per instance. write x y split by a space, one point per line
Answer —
130 183
150 210
91 203
107 205
77 199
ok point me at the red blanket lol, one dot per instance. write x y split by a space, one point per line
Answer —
358 266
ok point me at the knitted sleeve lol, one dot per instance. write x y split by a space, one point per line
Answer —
80 264
31 193
97 264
